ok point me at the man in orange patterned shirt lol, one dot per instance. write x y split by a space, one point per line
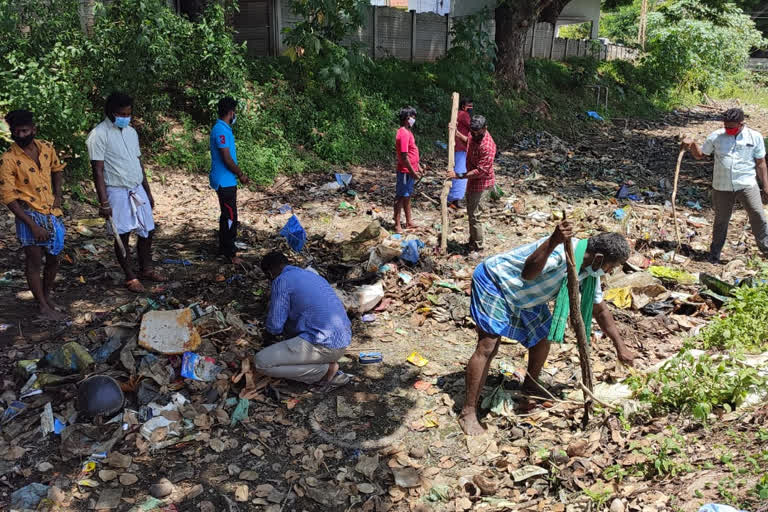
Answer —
30 185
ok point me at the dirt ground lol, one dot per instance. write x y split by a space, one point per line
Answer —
389 440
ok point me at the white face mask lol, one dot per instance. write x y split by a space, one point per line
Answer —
595 273
411 120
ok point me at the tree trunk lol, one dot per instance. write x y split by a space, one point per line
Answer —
512 23
513 19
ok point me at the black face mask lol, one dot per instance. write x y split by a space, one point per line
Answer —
469 111
23 141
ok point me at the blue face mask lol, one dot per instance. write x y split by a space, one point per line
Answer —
469 111
122 122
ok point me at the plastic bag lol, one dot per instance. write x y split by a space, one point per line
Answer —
294 233
410 252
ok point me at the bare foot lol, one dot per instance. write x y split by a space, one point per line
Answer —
411 226
470 425
332 369
398 228
53 305
49 314
135 286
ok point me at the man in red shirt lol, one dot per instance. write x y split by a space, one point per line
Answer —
481 151
407 167
459 186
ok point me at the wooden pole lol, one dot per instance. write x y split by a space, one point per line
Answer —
447 184
674 198
574 298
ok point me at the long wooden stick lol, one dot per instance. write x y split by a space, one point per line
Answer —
574 298
674 199
447 184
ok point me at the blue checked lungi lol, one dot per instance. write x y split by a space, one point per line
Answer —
493 315
51 223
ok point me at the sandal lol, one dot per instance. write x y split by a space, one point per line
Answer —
134 285
154 275
337 381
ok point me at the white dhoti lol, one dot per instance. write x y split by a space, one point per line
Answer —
131 210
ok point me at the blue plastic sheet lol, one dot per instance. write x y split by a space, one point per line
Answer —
294 233
410 252
343 179
595 115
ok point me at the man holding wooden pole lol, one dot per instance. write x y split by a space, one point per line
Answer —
481 151
510 292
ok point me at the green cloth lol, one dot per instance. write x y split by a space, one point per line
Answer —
563 306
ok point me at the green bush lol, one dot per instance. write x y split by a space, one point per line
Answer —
744 328
696 385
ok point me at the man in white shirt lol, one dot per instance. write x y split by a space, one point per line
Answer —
739 154
122 187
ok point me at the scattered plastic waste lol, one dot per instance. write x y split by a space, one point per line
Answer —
343 179
417 359
294 233
240 412
441 144
169 332
370 317
595 115
331 186
71 357
99 395
197 367
619 213
716 507
370 357
346 207
411 249
171 261
696 205
28 497
672 274
620 297
14 409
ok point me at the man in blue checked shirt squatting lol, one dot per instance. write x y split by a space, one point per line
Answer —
510 292
739 154
305 310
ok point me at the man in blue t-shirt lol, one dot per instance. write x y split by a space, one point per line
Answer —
224 175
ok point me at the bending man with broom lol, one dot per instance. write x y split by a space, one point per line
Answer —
510 292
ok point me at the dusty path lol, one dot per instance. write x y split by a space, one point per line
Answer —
296 469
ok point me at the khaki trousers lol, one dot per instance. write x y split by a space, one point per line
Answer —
474 209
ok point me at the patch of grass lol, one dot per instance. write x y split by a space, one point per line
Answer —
697 386
747 86
662 456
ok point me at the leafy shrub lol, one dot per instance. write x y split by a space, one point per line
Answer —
697 385
744 327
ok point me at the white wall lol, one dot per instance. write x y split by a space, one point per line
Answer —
579 11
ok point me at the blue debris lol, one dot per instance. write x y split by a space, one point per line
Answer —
410 252
595 115
619 213
28 496
171 261
294 233
695 205
343 179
